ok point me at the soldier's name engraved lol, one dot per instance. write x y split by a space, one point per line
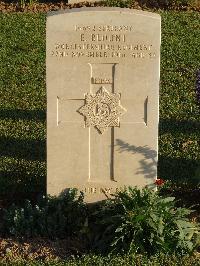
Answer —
102 37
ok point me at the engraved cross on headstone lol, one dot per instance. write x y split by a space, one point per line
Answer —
90 111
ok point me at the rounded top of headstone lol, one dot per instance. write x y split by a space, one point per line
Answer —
105 9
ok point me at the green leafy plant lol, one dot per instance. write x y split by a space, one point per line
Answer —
142 221
53 217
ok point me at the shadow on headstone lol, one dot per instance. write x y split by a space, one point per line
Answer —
169 168
148 164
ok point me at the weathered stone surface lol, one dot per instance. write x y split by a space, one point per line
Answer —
102 98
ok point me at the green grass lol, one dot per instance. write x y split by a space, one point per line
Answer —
127 260
23 101
23 104
179 142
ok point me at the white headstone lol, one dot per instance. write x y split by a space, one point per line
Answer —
102 100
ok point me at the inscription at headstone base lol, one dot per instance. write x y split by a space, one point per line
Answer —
102 100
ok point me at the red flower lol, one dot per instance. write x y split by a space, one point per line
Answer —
159 182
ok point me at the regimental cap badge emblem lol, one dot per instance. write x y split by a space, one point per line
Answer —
102 110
